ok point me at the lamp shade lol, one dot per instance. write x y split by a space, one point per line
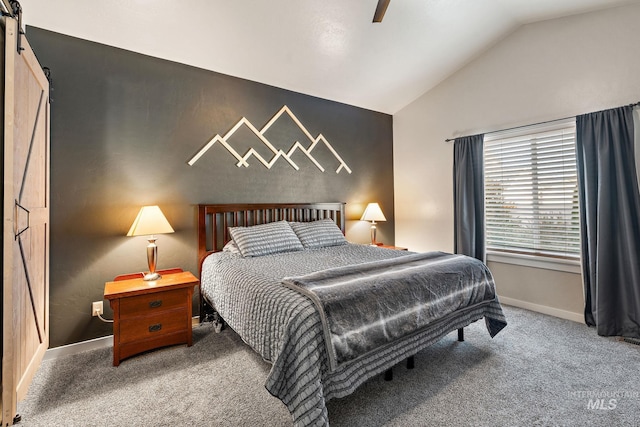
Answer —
150 220
373 213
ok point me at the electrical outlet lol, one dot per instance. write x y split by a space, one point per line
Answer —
96 308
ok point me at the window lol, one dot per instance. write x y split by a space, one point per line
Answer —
531 191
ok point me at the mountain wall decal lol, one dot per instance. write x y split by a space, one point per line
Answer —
243 160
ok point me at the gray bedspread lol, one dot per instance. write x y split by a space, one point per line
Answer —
285 327
365 306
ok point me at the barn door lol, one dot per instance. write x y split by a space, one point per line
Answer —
25 281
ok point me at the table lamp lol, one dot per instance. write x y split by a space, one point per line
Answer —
373 213
150 221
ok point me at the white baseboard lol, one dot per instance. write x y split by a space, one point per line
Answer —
551 311
94 344
66 350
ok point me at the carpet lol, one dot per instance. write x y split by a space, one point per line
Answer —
539 371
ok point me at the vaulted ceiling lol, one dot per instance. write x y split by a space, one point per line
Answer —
325 48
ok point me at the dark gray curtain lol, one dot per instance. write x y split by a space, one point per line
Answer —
610 221
468 196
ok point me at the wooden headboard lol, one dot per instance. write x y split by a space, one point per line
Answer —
214 220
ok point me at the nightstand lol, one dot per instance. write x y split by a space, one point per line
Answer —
397 248
149 315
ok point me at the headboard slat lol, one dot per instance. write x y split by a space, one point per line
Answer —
214 220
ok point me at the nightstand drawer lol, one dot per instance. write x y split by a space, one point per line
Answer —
152 303
155 325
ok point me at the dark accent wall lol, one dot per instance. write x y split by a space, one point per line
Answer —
124 125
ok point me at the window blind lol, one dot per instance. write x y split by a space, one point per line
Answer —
531 191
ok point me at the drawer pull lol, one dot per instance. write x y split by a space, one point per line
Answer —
155 328
155 304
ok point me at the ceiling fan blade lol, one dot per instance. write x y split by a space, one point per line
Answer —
380 10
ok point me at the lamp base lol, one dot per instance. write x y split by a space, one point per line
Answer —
151 276
373 233
152 256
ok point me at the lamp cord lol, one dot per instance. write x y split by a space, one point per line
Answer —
103 319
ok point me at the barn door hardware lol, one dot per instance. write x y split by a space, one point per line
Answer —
17 14
47 74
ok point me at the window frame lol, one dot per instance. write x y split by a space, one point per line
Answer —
568 262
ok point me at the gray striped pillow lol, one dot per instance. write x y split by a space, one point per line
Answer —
265 239
231 247
319 234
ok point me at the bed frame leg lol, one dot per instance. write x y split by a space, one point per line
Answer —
411 362
388 374
206 310
203 314
461 334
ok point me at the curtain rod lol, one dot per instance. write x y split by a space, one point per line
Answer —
534 124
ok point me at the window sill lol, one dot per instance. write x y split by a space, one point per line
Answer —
569 266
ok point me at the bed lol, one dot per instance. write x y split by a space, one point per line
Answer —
270 293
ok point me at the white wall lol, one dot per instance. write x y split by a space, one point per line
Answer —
542 71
